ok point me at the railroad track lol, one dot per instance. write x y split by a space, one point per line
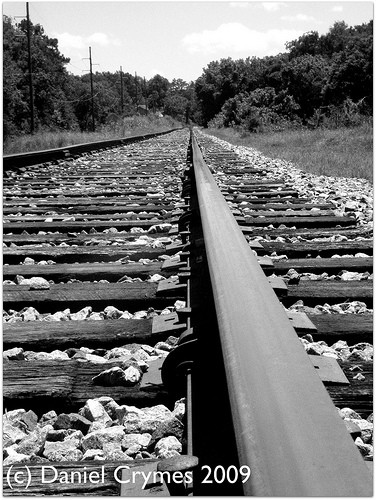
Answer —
144 336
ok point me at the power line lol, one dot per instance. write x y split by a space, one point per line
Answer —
75 66
76 100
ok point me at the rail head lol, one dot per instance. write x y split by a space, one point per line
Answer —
287 429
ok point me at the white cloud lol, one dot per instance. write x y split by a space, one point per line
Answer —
67 41
234 38
239 5
337 8
102 39
298 17
272 6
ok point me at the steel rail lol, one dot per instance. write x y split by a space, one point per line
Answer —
34 157
287 429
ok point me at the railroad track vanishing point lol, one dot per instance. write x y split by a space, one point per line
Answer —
180 320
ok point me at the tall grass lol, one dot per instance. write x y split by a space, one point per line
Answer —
131 125
343 152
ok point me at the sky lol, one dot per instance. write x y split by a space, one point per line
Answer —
177 39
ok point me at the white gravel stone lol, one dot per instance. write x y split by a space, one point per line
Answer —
141 355
14 416
97 439
155 278
349 413
82 314
59 355
30 314
112 312
94 411
93 358
61 316
126 315
12 433
96 426
33 444
132 375
350 276
17 353
29 261
96 316
117 376
37 283
140 315
62 451
124 410
117 352
148 349
163 346
148 420
180 304
92 454
38 356
365 449
111 407
365 427
168 447
15 458
165 311
160 353
141 440
179 409
359 376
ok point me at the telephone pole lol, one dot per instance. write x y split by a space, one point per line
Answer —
145 97
31 93
135 82
121 90
92 91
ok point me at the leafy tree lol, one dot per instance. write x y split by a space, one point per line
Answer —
305 78
180 102
316 73
219 82
15 105
262 108
352 69
157 90
307 44
49 79
175 105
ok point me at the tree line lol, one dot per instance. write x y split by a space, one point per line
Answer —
327 77
318 78
63 100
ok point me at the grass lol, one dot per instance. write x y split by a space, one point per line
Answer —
132 125
345 152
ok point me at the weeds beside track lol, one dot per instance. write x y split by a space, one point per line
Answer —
344 152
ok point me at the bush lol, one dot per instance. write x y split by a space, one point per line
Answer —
348 114
258 111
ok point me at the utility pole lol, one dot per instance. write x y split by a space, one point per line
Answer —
135 81
92 91
146 102
121 90
31 93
